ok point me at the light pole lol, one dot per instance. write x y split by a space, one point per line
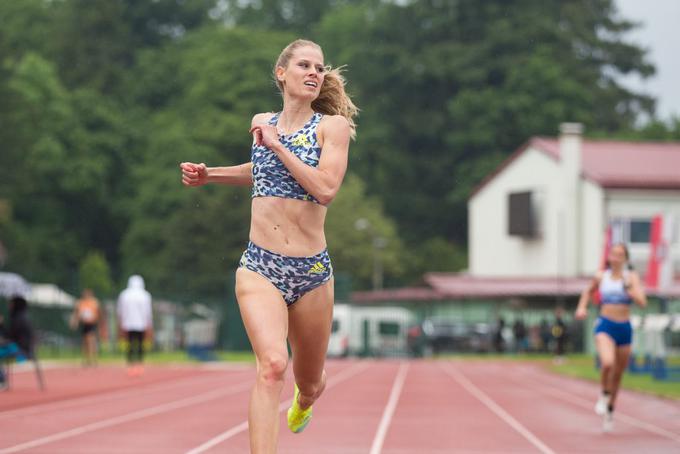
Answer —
378 243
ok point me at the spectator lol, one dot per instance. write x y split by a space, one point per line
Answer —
546 335
498 340
135 322
7 349
559 333
16 341
86 317
20 331
519 330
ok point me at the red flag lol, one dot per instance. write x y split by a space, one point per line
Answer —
658 267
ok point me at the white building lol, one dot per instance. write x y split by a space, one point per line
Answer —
545 210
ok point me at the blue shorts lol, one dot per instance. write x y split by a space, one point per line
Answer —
620 332
293 276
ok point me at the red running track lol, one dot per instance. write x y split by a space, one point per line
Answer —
371 407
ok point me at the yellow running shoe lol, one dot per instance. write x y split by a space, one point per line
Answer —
297 417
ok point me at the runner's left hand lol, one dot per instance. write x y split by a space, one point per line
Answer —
265 135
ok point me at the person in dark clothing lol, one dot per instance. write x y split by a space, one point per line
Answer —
3 332
519 330
16 341
559 333
20 331
499 341
7 348
545 334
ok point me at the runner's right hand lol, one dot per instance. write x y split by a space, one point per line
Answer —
581 313
194 174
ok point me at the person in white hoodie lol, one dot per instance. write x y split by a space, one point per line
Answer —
135 321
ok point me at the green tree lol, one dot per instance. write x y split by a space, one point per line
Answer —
351 244
61 147
290 15
26 27
38 132
94 273
654 130
96 42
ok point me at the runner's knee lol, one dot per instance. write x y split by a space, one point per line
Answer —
607 364
273 367
311 389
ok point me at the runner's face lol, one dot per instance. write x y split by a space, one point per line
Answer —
617 257
304 74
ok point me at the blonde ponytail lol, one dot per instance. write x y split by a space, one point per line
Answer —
332 99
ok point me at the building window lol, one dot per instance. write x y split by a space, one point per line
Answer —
635 230
520 222
388 328
524 214
640 230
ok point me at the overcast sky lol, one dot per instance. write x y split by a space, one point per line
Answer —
660 33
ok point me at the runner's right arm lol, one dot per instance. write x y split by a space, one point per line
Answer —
200 174
586 295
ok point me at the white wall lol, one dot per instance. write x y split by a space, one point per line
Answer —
622 203
593 226
570 212
492 251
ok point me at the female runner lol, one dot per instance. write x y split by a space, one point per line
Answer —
284 283
619 287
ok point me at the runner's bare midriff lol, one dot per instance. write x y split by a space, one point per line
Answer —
288 226
616 312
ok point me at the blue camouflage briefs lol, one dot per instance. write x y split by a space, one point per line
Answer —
293 276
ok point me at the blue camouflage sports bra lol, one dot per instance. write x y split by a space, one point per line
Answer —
270 177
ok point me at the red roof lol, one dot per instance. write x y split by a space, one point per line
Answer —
615 164
463 286
398 294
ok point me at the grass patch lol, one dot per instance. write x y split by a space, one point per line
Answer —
114 357
238 357
582 366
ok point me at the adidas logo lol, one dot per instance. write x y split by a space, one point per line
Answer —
301 140
318 268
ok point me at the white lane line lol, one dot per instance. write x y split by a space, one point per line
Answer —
497 409
243 426
390 407
108 395
186 402
581 402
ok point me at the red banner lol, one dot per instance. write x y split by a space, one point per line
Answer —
657 254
